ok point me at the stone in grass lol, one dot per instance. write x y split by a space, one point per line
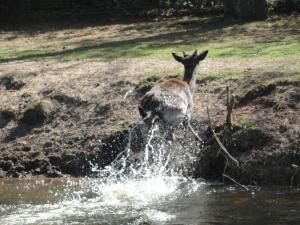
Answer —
37 113
7 112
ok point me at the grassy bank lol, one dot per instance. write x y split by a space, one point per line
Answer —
275 39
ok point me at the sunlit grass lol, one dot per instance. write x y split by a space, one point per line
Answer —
274 39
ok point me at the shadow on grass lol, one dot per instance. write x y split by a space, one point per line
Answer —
20 130
193 33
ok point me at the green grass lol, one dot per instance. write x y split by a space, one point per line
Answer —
274 39
146 84
124 128
244 122
226 74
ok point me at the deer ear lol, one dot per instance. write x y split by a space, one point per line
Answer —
202 55
177 58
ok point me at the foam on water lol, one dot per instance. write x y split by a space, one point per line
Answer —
128 192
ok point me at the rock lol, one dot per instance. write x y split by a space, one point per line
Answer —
37 113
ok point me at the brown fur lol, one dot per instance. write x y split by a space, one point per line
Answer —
172 100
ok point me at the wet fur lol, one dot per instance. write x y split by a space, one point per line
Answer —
171 101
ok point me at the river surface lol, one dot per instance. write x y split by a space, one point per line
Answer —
168 200
152 189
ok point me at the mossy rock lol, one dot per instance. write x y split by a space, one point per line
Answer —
7 112
37 113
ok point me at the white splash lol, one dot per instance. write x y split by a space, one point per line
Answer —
128 191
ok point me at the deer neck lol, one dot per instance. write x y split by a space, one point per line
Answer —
190 77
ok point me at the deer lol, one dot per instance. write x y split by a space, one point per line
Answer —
171 102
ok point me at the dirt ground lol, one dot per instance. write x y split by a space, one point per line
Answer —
87 114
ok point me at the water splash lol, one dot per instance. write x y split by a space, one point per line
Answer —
159 157
132 189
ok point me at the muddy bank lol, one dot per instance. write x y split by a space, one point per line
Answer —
264 137
67 118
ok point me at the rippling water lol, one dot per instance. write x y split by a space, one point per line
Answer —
165 200
152 190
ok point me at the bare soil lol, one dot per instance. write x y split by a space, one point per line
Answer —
88 118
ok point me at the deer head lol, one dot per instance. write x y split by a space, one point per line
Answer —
190 63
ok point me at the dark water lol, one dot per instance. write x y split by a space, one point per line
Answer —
157 200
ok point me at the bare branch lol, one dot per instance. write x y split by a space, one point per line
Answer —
230 178
126 94
225 167
224 150
237 183
230 104
296 167
194 132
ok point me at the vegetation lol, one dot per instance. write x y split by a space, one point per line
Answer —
93 97
273 39
244 122
22 11
145 85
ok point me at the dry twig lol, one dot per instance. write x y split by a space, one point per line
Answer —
237 183
230 104
296 167
224 150
126 94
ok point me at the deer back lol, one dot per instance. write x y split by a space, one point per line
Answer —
171 101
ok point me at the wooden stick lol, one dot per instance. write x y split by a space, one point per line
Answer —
224 150
294 174
194 132
126 94
237 183
230 104
230 178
